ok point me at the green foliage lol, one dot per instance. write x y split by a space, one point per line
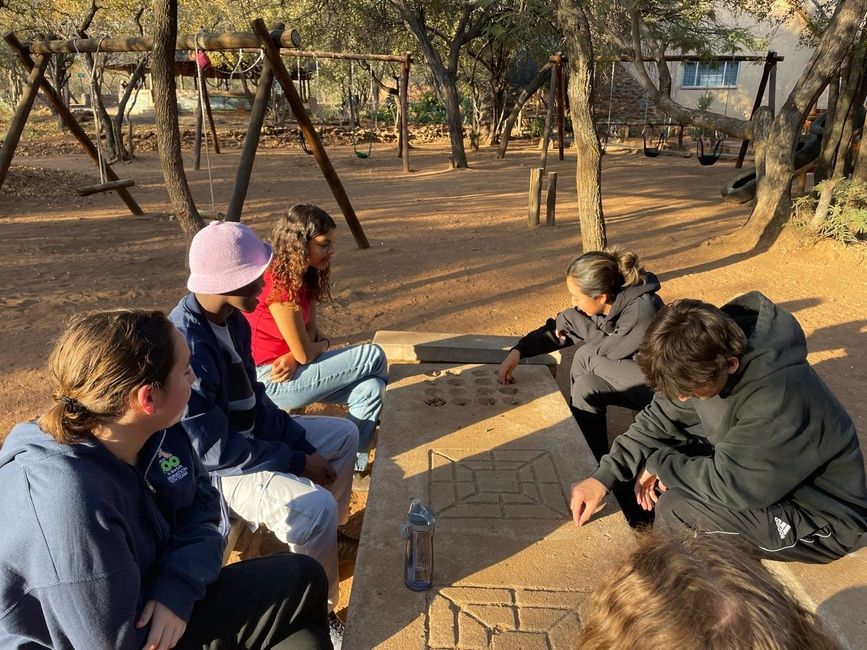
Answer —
537 127
427 110
704 101
847 216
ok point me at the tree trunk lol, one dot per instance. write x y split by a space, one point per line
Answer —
529 90
588 174
840 124
773 195
166 117
859 172
453 117
132 84
825 163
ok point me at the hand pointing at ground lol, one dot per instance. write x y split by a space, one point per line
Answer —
587 499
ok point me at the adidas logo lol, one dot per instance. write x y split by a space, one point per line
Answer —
782 527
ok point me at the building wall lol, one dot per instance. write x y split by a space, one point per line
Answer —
738 102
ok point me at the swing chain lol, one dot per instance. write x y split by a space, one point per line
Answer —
200 76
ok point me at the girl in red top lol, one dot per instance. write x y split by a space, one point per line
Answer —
294 360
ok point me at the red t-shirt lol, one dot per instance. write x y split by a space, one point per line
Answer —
267 341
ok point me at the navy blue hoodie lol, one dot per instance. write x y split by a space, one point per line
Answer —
277 443
87 539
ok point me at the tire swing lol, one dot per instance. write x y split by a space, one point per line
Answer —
352 115
104 185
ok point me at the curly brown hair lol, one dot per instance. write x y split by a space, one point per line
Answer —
290 267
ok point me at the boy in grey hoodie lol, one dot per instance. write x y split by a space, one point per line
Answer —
778 462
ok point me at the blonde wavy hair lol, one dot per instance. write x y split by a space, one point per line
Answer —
697 593
290 267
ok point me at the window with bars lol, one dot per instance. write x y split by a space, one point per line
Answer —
710 74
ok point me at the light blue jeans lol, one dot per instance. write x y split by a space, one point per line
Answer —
355 376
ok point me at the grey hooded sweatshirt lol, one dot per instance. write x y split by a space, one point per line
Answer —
616 335
778 433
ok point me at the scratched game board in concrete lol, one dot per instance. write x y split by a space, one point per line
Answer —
496 464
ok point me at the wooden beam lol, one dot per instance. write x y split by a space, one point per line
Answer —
221 41
552 98
272 54
73 126
251 143
561 117
403 87
210 115
87 190
770 64
25 104
350 56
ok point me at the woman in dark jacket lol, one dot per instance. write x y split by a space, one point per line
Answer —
614 301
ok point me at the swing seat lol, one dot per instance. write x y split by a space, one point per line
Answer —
362 155
119 184
651 152
708 159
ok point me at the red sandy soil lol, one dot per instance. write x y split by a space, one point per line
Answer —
450 251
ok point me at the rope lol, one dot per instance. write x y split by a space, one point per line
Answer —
610 97
100 160
205 128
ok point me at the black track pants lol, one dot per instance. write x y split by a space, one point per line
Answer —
782 532
276 601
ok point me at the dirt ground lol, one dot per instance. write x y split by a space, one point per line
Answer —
450 251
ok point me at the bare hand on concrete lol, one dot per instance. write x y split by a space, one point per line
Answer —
319 470
504 374
283 368
587 500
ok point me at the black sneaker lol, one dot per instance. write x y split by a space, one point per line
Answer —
336 629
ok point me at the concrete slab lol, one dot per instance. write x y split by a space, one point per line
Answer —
431 347
496 463
837 592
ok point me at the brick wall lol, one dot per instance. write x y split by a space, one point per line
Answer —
628 99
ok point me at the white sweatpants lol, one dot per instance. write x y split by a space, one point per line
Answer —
299 512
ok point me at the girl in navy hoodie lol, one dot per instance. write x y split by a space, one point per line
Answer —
110 536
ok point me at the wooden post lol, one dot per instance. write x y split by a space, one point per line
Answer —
73 126
551 199
25 104
272 54
680 137
197 145
403 87
251 143
552 96
772 90
770 64
210 114
535 196
561 83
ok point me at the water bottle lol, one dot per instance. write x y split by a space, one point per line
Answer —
418 530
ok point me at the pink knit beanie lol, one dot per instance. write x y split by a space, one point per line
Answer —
224 256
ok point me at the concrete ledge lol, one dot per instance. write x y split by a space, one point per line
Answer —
837 592
432 347
511 570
